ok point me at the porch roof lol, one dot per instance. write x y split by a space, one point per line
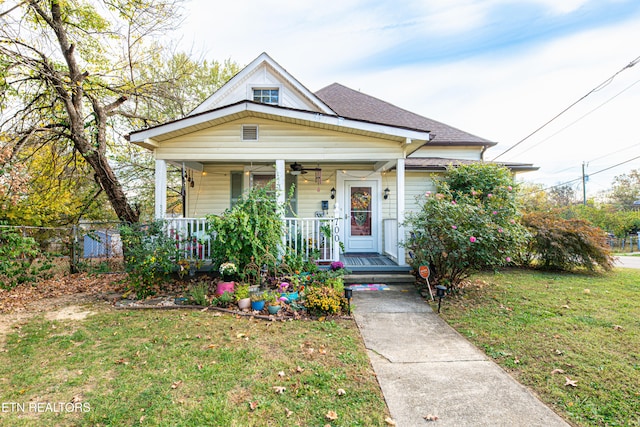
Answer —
441 164
150 137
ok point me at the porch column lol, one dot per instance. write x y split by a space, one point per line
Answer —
281 198
400 209
161 189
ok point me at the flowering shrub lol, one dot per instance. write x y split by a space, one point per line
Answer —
337 265
478 231
324 300
228 269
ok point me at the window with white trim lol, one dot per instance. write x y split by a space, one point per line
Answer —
267 96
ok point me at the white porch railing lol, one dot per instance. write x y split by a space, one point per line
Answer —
391 238
191 236
315 238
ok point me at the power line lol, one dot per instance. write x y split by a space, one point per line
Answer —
595 89
594 173
599 158
581 117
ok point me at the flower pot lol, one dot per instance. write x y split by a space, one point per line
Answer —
244 303
257 305
223 287
293 296
273 309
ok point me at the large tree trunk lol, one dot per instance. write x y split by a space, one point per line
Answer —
74 98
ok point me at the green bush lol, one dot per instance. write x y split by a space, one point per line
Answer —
252 228
149 256
565 244
469 225
21 260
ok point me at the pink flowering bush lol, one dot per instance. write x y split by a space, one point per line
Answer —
477 232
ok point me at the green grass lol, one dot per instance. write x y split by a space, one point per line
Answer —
189 369
533 323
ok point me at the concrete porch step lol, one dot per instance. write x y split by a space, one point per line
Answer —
379 278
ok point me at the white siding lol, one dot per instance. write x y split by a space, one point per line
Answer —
276 140
211 193
265 77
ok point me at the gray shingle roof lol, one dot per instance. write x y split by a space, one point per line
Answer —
353 104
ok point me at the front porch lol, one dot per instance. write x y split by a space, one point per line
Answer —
314 238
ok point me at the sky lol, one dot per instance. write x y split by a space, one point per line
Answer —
499 69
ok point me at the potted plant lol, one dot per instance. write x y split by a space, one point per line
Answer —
272 299
291 289
242 296
227 271
257 301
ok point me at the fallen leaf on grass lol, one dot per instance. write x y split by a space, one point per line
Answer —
287 412
299 369
142 419
341 392
176 384
430 417
253 405
565 306
617 328
569 382
389 421
557 371
121 362
332 415
322 351
279 389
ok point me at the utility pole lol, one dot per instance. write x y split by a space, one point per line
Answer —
584 185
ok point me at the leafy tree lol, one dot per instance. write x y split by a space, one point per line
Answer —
563 195
626 188
469 224
76 73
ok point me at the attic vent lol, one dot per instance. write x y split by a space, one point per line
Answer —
249 132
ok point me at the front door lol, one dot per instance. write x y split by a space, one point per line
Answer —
362 216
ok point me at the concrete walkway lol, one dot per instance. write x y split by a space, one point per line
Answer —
425 367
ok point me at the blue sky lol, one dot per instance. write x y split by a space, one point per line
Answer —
495 68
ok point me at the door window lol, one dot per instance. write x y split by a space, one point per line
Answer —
361 211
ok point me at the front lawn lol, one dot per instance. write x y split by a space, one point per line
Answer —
187 368
573 339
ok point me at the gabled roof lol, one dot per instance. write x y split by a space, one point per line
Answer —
357 105
216 100
441 164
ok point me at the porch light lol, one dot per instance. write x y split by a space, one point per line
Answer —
333 193
386 193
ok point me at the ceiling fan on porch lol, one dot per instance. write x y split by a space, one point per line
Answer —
298 169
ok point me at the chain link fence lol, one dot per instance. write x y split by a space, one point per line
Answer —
92 247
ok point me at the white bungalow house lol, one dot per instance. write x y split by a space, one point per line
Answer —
357 162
